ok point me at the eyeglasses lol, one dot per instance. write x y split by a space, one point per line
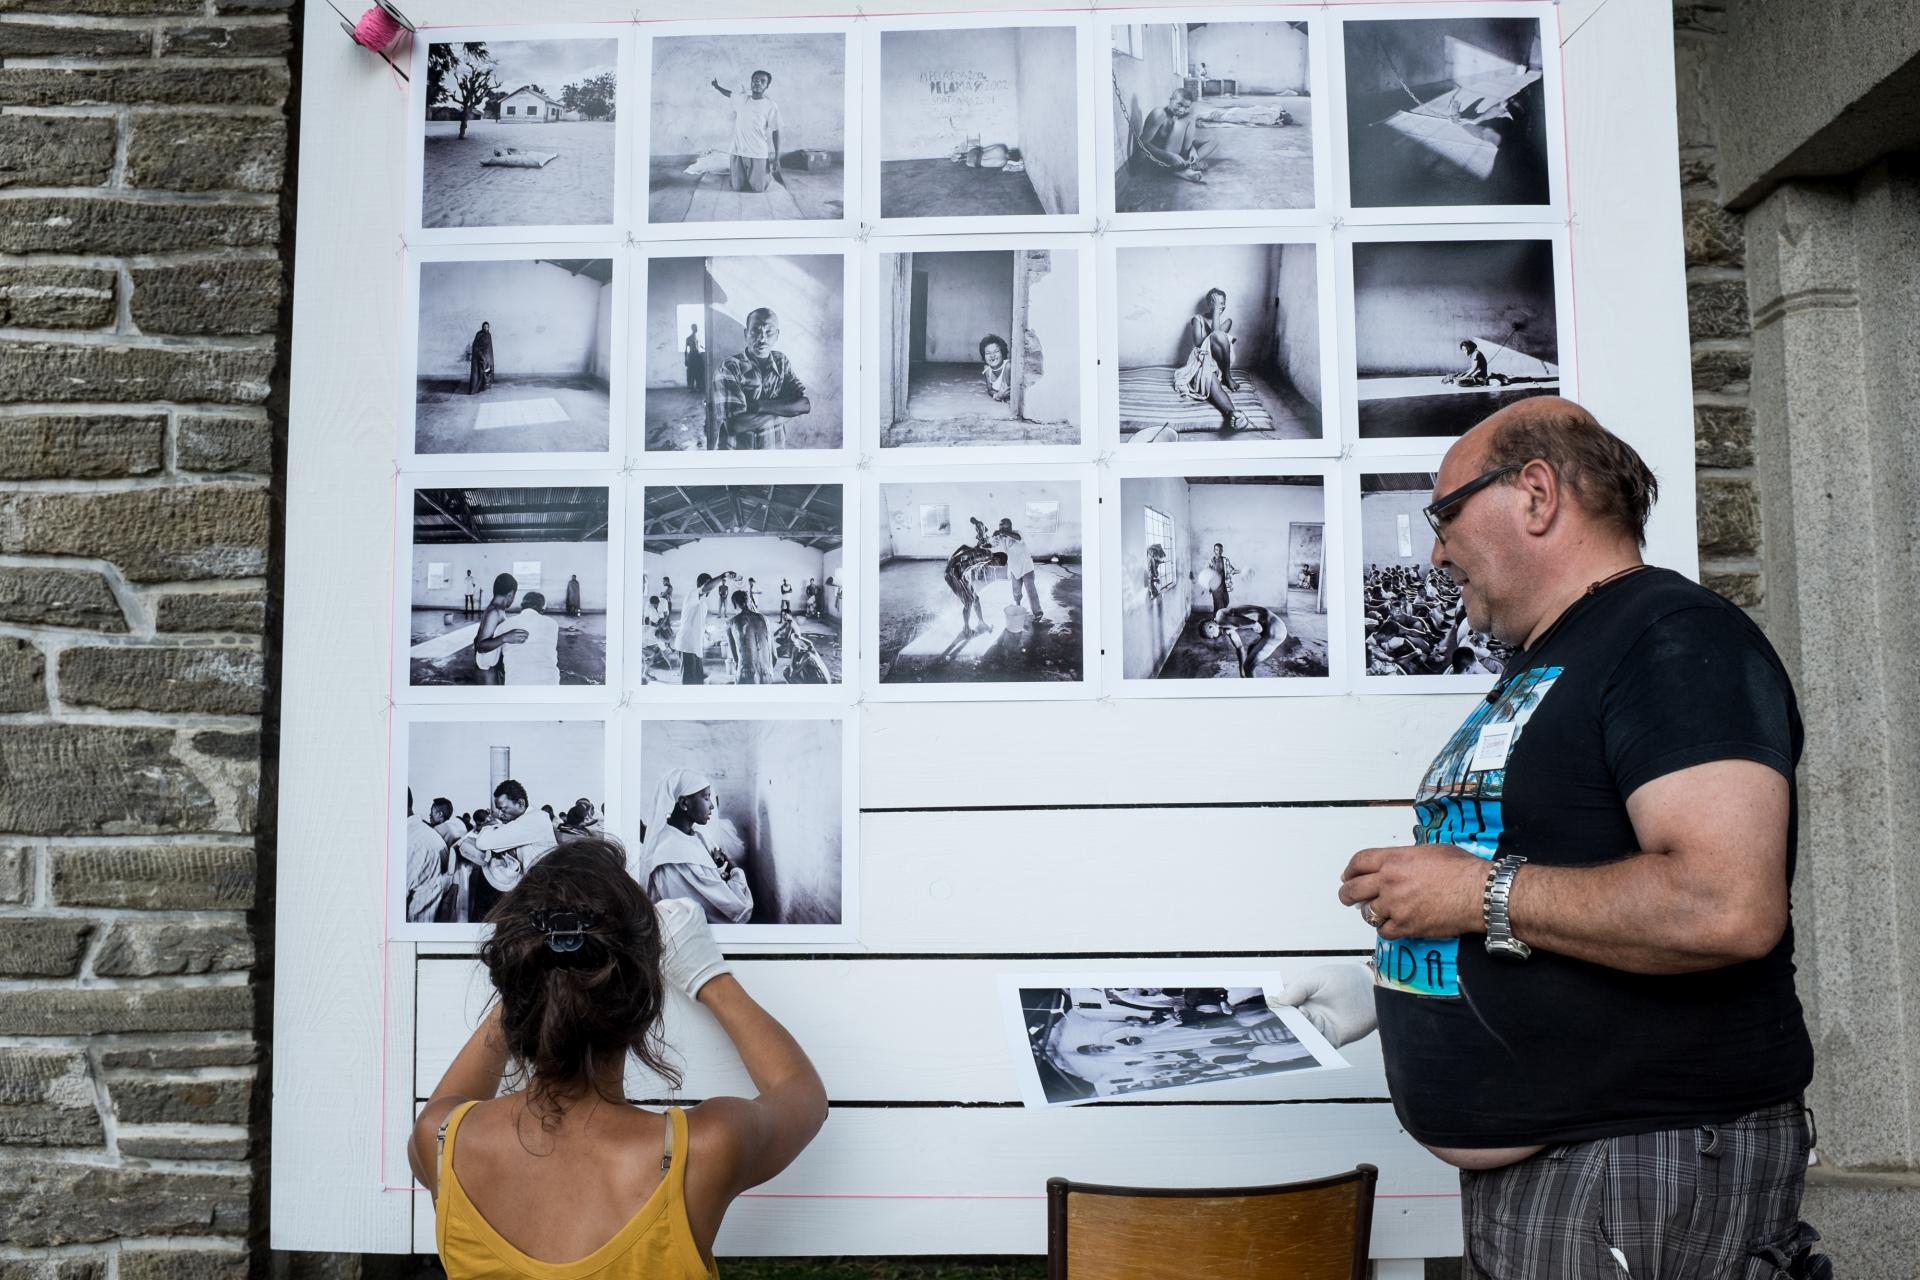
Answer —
1441 511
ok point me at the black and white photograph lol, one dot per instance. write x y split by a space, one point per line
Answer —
1218 342
980 347
485 800
514 355
1212 117
747 127
520 133
1223 577
748 817
744 584
1088 1044
1412 620
746 352
509 587
1447 111
981 583
1447 331
979 121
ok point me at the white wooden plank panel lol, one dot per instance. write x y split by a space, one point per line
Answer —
878 1030
973 1181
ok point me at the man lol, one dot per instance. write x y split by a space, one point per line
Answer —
1255 632
472 599
427 879
750 643
573 595
518 837
488 637
756 391
755 142
1604 1037
536 658
811 598
692 641
1168 138
696 358
1220 572
1019 566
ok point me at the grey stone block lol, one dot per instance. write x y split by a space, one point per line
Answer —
56 297
47 1100
183 1264
169 84
52 1268
149 949
63 446
43 948
54 1202
145 1101
16 874
56 372
23 675
95 779
228 746
1713 237
170 1146
55 151
152 535
207 297
228 40
1742 586
1869 1224
1722 435
81 598
174 151
164 877
216 680
1728 517
46 40
225 443
115 1011
244 612
173 1057
1717 309
1722 371
105 8
115 224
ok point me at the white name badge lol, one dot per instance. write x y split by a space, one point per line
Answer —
1490 751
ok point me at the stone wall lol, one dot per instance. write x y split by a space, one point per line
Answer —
143 152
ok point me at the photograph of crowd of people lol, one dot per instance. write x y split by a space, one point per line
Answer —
486 799
747 817
980 582
514 356
1413 623
1086 1044
980 347
1223 577
520 133
509 587
747 127
745 352
743 584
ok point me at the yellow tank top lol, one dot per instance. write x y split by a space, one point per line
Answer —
655 1244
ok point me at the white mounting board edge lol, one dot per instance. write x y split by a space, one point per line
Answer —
344 1008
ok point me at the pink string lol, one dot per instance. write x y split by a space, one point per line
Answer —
377 30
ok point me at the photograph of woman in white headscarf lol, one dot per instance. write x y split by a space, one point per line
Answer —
746 817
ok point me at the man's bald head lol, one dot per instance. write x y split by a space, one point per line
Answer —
1607 477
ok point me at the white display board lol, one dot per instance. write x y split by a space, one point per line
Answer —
1107 819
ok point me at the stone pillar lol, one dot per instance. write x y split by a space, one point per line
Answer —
1834 281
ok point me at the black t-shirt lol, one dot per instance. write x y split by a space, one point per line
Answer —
1645 676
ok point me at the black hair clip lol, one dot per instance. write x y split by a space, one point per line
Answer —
566 930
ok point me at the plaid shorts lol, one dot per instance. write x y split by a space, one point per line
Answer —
1716 1202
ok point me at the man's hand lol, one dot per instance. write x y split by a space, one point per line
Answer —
516 636
1336 998
1419 890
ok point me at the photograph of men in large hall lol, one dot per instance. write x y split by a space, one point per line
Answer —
514 356
1218 342
1447 331
1223 577
520 133
1447 111
1212 117
509 587
746 352
744 584
980 347
748 818
1084 1044
489 798
747 127
980 582
1412 620
979 122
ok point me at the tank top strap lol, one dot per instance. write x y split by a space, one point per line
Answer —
443 1157
673 1153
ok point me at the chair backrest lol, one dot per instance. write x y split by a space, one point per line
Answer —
1315 1230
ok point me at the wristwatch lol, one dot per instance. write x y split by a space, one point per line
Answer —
1493 909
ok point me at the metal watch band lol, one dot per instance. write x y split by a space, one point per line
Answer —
1493 909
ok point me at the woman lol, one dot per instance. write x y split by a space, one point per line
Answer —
676 860
558 1177
995 369
1208 371
480 360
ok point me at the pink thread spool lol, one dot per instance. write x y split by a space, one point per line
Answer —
377 30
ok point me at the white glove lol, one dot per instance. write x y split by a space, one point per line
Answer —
1337 999
690 957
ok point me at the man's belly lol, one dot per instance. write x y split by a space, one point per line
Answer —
1480 1158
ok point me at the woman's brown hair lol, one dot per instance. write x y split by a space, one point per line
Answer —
575 958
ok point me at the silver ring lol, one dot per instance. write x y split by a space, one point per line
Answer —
1367 914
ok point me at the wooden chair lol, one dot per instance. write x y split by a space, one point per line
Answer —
1317 1230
